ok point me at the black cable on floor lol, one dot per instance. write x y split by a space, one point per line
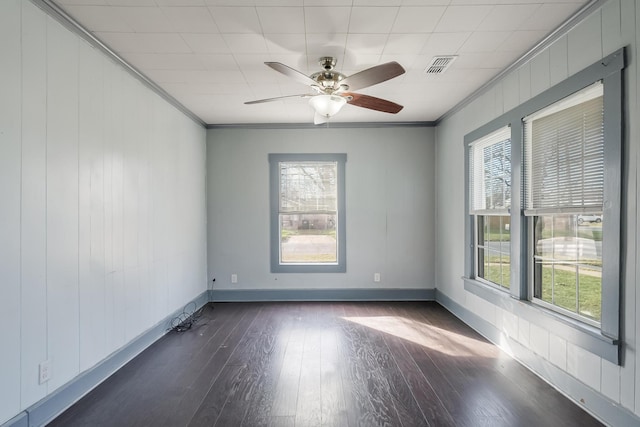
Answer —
189 317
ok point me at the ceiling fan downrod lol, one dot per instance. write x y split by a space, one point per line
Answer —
327 62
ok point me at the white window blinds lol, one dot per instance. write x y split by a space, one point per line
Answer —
564 155
308 187
490 173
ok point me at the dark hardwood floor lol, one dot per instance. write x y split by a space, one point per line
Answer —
324 364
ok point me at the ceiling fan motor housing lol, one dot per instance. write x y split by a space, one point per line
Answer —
329 80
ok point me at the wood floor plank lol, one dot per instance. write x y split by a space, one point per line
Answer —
282 422
232 413
427 399
276 337
286 394
400 394
211 407
333 406
220 376
324 364
257 353
309 405
367 365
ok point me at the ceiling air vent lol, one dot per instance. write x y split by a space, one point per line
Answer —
439 64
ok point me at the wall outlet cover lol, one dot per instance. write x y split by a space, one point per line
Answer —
44 372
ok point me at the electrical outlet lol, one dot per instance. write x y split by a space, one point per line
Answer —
376 277
234 278
44 372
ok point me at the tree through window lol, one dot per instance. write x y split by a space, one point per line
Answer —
490 186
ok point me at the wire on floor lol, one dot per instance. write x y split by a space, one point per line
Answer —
189 317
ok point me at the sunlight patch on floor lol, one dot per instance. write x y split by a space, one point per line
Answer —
427 335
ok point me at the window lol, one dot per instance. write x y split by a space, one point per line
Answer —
490 186
554 218
564 198
307 212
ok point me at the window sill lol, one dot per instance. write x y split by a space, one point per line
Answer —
308 268
580 334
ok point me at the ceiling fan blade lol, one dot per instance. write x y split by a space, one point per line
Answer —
290 72
278 98
319 119
373 75
373 103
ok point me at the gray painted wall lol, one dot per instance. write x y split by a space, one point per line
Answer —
390 204
609 28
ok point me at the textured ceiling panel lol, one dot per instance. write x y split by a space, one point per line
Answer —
209 54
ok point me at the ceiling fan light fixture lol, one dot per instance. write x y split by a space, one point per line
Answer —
327 105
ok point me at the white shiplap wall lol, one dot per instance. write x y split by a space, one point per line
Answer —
102 206
609 28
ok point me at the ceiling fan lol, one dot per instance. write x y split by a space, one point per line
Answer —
332 90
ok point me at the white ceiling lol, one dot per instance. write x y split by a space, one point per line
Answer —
209 54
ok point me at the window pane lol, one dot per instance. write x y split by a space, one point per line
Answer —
483 262
568 262
493 273
565 244
544 281
497 175
590 240
590 265
494 229
308 238
480 245
481 228
308 186
505 250
542 237
490 192
486 230
565 286
493 249
590 292
564 153
506 271
490 171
